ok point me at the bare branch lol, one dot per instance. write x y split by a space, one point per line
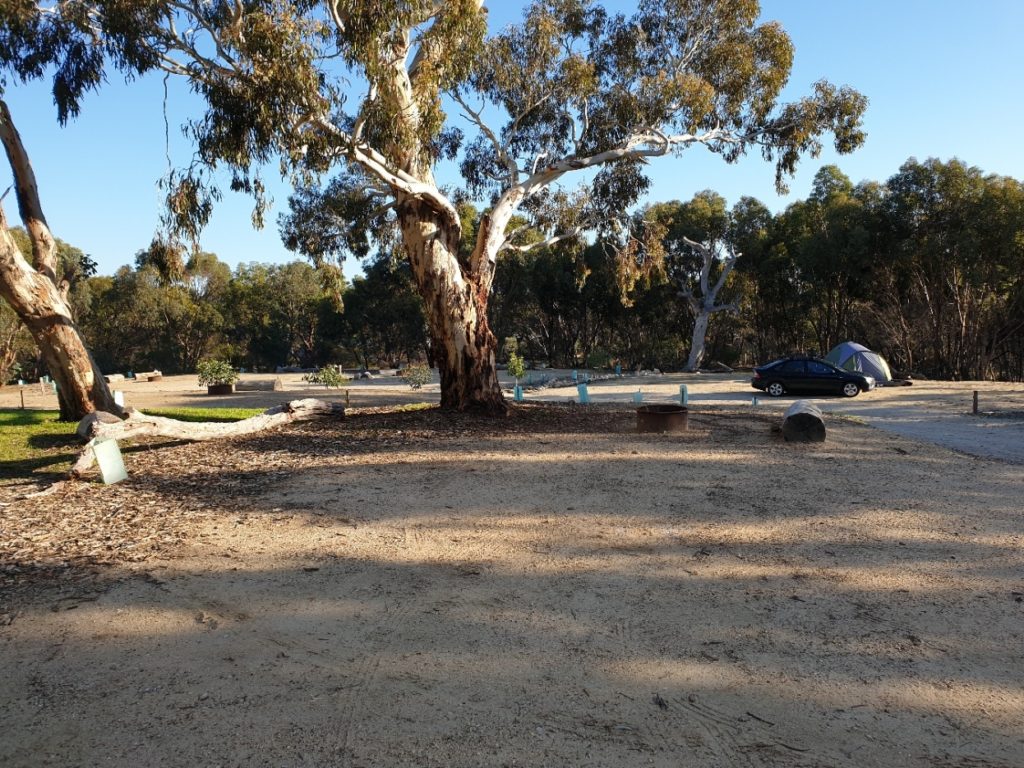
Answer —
339 21
475 117
536 162
194 13
652 143
727 266
572 235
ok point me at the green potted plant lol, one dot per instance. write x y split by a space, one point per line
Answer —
217 376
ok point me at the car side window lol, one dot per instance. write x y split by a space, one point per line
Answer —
819 368
792 366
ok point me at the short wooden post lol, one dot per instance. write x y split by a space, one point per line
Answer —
22 391
975 411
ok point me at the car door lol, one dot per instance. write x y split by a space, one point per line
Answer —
793 375
822 377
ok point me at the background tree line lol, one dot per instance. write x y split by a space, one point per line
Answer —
926 268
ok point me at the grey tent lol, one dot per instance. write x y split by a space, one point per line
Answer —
852 356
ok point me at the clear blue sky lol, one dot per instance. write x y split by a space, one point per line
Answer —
944 79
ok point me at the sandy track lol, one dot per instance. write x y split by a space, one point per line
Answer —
421 589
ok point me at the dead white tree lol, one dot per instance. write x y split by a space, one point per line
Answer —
703 301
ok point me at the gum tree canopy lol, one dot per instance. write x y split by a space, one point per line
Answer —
360 101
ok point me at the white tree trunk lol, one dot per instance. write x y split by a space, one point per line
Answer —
455 300
700 330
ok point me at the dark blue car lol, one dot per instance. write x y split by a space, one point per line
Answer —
809 375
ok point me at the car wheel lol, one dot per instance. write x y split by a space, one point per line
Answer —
775 389
850 389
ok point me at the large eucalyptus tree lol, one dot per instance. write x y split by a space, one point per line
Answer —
39 297
362 90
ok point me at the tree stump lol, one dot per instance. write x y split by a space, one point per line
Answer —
803 423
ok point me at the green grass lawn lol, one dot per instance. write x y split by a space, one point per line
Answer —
35 445
204 414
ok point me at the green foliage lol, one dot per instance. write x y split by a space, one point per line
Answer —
17 348
599 359
212 372
509 347
329 376
416 375
383 318
516 366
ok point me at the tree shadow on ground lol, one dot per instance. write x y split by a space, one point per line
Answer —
599 597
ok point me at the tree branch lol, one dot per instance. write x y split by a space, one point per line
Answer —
398 181
475 117
652 143
507 246
44 247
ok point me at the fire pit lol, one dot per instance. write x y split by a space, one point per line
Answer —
661 418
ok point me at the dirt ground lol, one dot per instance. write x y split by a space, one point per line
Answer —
551 589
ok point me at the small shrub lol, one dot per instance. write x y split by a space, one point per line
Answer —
510 347
416 376
328 376
599 358
211 372
516 366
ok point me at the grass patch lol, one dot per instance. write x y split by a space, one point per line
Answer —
205 414
34 442
414 407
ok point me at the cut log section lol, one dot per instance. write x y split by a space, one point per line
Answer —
139 424
803 423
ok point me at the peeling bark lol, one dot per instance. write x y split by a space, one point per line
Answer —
37 301
456 306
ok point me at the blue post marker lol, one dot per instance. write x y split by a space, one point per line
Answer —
684 395
517 394
754 400
584 395
618 370
575 376
638 397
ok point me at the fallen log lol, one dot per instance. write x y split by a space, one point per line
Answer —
137 424
273 385
803 423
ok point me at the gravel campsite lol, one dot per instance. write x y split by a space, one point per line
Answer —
420 588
